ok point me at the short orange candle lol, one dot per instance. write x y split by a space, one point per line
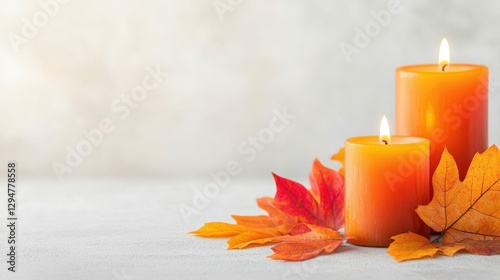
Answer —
447 104
386 178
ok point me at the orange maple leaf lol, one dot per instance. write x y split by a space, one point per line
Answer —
468 209
411 246
306 241
276 217
219 229
467 213
242 236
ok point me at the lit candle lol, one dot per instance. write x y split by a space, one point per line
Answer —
386 178
446 103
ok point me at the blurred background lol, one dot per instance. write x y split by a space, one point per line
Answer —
179 89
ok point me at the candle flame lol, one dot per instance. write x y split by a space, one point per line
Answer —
385 133
444 55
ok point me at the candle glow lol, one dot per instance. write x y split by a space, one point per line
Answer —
444 55
385 132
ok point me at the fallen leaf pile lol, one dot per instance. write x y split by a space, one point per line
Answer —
465 213
304 222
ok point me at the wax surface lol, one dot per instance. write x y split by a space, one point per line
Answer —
450 108
384 186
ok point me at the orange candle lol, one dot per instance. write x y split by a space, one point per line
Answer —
386 178
447 104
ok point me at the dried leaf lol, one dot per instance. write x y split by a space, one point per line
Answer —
468 209
481 247
467 213
295 200
330 186
307 242
253 237
279 217
449 249
292 206
219 229
411 246
260 221
276 217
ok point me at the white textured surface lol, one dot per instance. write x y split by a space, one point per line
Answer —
105 229
226 77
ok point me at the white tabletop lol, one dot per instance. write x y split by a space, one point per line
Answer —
133 229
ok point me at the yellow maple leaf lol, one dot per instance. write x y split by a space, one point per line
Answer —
468 209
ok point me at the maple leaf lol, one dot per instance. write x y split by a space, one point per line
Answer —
252 236
340 157
467 213
294 210
411 246
295 200
468 209
219 229
306 241
242 236
481 247
329 184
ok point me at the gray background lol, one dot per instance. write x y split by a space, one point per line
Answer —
227 73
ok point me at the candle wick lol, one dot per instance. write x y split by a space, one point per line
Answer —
385 141
444 66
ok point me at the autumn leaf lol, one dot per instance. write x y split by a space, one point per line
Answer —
481 247
340 157
260 221
468 209
279 217
295 200
275 216
306 241
219 229
411 246
467 213
242 236
256 237
306 225
329 184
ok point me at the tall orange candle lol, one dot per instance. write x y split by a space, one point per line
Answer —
447 104
386 178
